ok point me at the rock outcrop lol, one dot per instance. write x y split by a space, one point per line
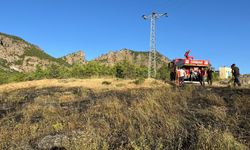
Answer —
60 141
133 57
19 55
73 58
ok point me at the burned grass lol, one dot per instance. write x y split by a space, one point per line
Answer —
146 118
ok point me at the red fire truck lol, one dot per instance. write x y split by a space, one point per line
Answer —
191 66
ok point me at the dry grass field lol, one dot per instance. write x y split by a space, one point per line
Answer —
96 83
118 114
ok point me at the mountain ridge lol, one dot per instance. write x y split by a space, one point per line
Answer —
19 55
139 58
22 56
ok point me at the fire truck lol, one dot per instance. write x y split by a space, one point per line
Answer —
191 66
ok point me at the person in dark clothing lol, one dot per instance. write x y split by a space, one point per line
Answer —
236 74
210 76
201 75
172 76
190 75
171 67
1 42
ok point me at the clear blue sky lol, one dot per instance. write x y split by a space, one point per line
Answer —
218 30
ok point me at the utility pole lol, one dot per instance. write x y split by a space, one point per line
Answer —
152 52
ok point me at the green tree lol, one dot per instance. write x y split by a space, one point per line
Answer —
119 71
53 71
78 71
141 72
163 72
128 70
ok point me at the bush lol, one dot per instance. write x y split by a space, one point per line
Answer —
163 73
129 71
106 83
119 72
215 76
139 81
120 85
3 77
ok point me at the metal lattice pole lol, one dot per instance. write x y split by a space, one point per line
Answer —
153 46
152 52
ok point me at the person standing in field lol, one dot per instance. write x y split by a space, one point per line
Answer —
236 74
210 76
201 74
182 76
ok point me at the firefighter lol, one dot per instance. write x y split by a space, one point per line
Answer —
236 74
187 55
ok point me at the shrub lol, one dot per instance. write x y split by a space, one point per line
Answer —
139 81
120 85
3 63
130 71
57 127
119 72
3 77
215 76
92 69
106 83
163 73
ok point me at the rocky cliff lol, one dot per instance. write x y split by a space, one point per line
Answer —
134 57
77 57
19 55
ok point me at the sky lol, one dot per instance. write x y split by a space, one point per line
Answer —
217 30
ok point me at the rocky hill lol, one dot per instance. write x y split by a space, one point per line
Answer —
134 57
18 55
77 57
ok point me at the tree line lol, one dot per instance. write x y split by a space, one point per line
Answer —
124 70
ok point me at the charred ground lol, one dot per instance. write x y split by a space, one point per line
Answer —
146 118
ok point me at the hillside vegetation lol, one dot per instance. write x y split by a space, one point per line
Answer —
124 70
93 114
